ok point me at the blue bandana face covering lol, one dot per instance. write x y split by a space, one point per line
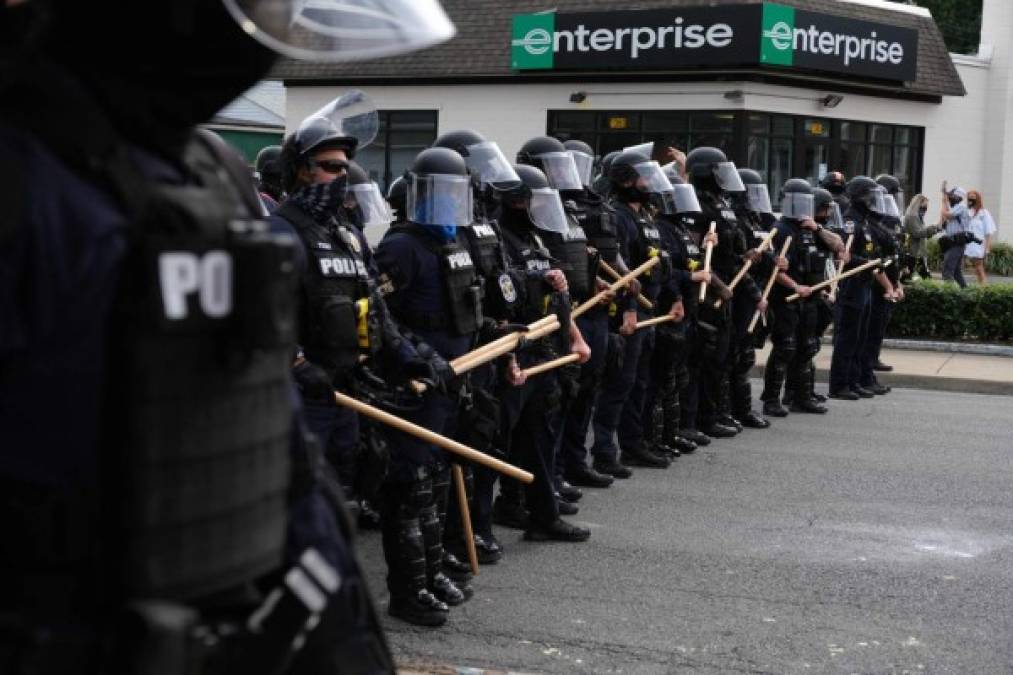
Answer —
445 233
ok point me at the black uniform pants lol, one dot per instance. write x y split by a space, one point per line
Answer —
711 353
668 368
880 311
743 354
594 327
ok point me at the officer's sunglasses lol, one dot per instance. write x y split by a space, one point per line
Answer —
331 166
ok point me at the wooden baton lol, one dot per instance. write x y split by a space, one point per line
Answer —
544 321
551 365
647 323
488 355
428 436
746 265
462 502
619 283
644 302
840 268
852 272
707 260
770 284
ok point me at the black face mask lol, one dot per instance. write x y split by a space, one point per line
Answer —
835 189
954 201
972 202
629 194
922 212
514 218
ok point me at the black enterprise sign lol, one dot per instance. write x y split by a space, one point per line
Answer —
765 34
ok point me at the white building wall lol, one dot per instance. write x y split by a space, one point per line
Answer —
968 140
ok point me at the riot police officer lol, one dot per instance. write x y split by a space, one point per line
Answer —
587 220
835 183
715 180
433 290
532 214
851 309
670 376
597 219
793 333
618 420
175 309
268 174
755 219
491 174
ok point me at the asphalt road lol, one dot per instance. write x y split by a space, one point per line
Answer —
874 539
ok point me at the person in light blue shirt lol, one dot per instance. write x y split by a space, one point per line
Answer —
957 220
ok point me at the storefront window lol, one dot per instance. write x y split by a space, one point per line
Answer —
402 135
777 146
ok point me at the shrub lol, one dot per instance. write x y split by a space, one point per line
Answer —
933 310
999 261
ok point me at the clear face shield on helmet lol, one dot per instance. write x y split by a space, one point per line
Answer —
797 205
369 202
645 149
351 115
651 178
758 198
834 221
560 170
890 206
488 163
585 166
440 199
727 177
545 209
684 198
876 201
342 30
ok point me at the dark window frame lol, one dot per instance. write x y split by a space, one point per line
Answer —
387 128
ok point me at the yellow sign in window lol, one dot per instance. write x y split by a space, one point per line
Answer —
618 123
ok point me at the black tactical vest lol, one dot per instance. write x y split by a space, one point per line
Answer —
336 277
810 258
597 220
487 252
199 398
570 249
528 251
650 245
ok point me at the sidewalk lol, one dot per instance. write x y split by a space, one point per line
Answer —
941 371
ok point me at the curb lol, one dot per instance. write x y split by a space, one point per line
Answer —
930 382
939 346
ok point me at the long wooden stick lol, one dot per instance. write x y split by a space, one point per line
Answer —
770 284
840 268
844 275
506 348
644 302
746 265
448 444
551 365
462 502
647 323
619 283
544 321
707 261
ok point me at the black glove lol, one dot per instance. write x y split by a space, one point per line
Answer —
313 381
431 368
491 330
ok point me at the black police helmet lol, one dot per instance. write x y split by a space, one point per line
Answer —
439 161
356 174
538 145
621 168
578 146
889 183
833 182
700 162
459 141
531 177
751 177
606 161
821 199
860 187
320 134
797 185
267 163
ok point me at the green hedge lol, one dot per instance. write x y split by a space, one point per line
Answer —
933 310
999 260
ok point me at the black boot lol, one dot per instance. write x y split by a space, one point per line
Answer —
729 421
641 456
610 467
557 530
454 565
487 549
570 493
807 405
438 583
716 430
585 476
774 409
509 513
754 421
406 576
693 435
682 444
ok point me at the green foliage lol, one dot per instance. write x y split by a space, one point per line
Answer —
934 310
999 260
959 21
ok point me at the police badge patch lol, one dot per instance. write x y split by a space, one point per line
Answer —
506 286
849 227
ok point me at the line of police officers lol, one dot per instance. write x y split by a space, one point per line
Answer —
478 247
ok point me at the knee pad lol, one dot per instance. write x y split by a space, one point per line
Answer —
785 349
